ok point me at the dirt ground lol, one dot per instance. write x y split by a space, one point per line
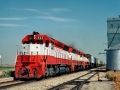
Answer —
114 84
103 84
99 86
99 82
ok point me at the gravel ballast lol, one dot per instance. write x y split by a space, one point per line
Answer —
47 83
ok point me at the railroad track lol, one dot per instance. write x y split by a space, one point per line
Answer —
74 84
8 84
77 83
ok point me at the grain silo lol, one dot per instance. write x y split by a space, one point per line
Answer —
113 37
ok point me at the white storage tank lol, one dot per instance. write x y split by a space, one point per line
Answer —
113 59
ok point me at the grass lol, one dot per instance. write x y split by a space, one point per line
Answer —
114 76
6 68
110 75
6 71
5 74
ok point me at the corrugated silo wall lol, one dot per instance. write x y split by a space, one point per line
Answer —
113 37
113 59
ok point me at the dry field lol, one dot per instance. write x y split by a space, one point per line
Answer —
115 76
1 72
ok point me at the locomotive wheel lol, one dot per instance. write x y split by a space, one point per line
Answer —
13 75
35 74
14 78
47 73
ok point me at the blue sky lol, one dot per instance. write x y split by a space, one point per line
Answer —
82 22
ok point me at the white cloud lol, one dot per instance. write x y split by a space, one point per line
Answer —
9 25
47 14
26 9
60 9
32 10
43 11
53 18
13 18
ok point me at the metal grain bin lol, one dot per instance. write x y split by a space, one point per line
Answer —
113 31
113 59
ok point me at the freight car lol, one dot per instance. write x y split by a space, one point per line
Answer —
93 61
43 56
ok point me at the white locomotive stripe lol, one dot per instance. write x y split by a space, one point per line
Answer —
41 49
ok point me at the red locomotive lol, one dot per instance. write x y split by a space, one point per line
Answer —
43 56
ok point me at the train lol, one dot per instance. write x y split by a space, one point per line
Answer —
43 56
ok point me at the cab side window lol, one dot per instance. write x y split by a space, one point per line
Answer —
52 46
40 41
46 43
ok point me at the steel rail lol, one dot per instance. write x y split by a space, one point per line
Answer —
77 81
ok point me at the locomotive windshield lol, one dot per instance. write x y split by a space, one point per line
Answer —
33 49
